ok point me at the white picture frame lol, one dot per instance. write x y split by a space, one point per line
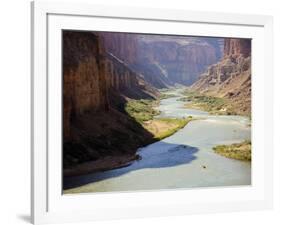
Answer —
48 203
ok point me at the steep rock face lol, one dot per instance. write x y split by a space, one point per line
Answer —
121 54
84 84
153 72
126 47
180 60
236 47
231 77
163 60
121 78
96 85
122 45
91 72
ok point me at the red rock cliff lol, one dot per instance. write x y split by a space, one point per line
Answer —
230 77
236 47
84 82
91 71
122 45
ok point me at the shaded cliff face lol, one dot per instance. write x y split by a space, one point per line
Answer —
84 84
161 60
231 77
122 45
91 72
126 48
96 85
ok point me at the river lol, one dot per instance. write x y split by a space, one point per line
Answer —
183 160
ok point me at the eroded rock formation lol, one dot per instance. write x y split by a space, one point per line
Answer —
230 77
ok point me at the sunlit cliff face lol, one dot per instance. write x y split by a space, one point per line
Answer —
231 76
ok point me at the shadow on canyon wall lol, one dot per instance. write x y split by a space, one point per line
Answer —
96 86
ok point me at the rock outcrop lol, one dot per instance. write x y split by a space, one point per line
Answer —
230 77
236 47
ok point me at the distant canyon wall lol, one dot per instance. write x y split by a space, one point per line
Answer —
180 60
230 77
164 60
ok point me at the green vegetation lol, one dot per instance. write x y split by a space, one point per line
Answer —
142 110
214 105
241 151
164 96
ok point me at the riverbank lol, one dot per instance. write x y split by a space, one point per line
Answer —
99 165
160 128
141 111
213 105
145 112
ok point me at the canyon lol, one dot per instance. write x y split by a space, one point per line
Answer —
103 71
182 160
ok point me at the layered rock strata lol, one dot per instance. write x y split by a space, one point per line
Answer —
231 77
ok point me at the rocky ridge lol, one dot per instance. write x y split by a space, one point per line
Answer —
230 78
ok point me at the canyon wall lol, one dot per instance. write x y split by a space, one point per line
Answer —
236 47
181 60
84 84
126 47
122 45
91 71
96 87
230 77
161 60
